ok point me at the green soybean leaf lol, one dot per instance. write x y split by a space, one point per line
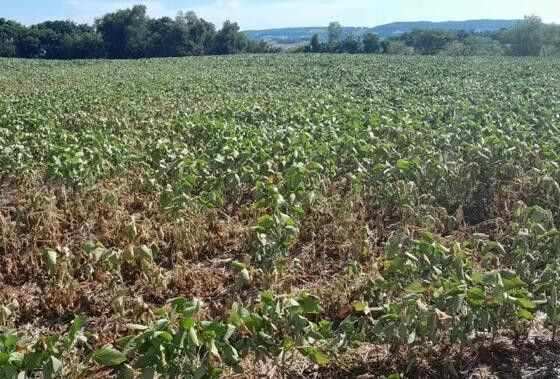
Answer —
109 357
4 357
526 303
52 366
415 287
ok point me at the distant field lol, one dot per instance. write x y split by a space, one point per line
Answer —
292 37
288 215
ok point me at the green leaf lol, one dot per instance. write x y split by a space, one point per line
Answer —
234 314
267 298
163 335
361 306
200 372
266 222
427 236
238 266
161 313
513 283
52 366
178 303
526 303
4 357
319 358
286 220
192 308
149 359
9 371
476 296
229 333
50 257
187 323
315 355
145 253
230 354
308 303
416 287
536 214
126 373
476 293
403 165
148 373
109 357
123 341
34 360
78 324
352 270
525 314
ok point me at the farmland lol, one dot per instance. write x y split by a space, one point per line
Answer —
284 215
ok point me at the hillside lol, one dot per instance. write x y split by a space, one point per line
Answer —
287 36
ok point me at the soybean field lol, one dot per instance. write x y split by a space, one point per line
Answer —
280 216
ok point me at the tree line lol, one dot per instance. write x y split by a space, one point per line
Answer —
530 37
368 43
127 33
131 33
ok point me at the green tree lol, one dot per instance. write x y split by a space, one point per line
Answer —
395 47
199 34
348 45
551 40
166 38
454 49
429 41
229 40
479 45
259 47
9 34
525 38
474 45
125 32
371 43
315 44
334 32
58 39
28 44
84 45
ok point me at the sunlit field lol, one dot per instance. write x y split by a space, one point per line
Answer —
281 215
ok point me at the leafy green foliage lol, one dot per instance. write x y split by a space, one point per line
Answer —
443 175
126 33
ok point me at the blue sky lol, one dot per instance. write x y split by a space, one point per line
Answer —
259 14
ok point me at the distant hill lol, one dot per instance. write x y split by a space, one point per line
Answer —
290 36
